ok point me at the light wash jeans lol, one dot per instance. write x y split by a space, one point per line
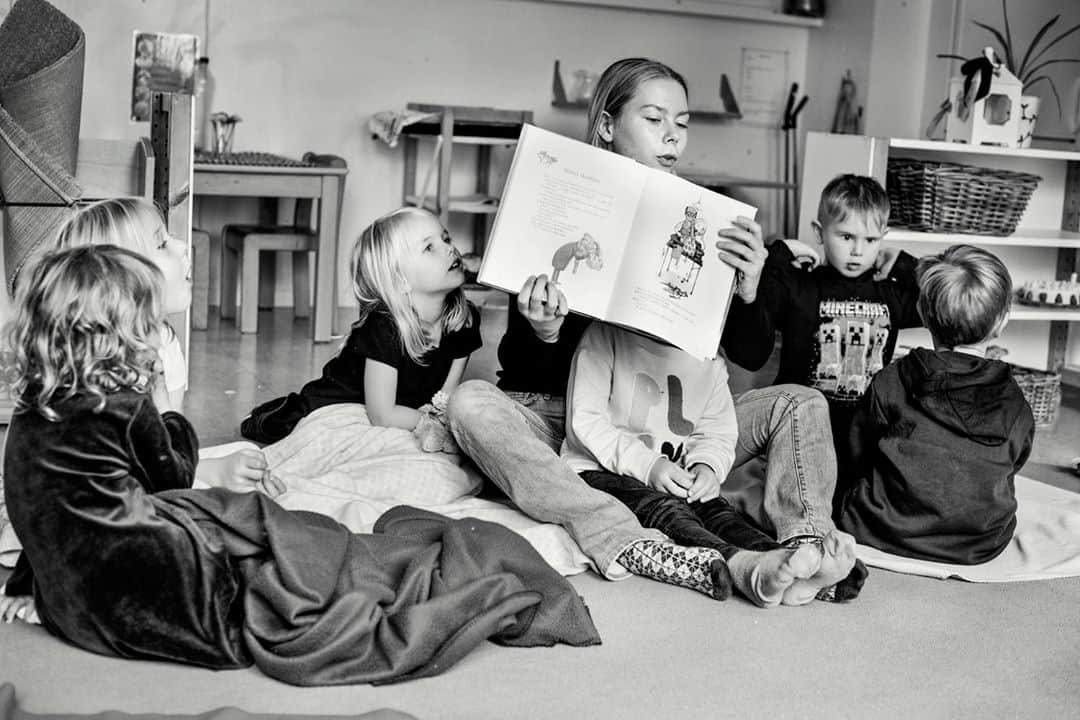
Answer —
514 438
788 426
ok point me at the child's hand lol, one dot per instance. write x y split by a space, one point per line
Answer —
883 263
471 262
18 607
432 432
742 248
242 471
160 394
706 484
668 477
543 304
805 256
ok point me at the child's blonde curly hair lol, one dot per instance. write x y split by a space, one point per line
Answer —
87 320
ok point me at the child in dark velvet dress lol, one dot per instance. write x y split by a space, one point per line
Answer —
86 338
126 560
408 350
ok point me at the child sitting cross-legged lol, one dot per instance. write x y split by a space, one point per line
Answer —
942 433
656 428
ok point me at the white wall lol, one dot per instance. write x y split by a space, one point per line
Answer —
308 75
844 43
895 93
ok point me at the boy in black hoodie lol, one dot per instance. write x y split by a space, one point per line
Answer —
941 433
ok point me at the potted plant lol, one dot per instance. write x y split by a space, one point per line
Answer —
1027 64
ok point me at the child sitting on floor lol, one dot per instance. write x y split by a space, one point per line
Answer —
838 322
408 350
135 224
666 460
942 433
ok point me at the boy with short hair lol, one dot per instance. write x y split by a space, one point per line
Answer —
839 321
941 433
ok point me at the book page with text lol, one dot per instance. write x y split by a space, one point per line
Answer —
672 283
566 211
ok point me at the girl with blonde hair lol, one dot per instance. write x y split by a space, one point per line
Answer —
408 350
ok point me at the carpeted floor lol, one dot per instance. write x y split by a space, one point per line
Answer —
909 647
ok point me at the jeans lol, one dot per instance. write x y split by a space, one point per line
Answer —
514 439
788 425
516 445
713 523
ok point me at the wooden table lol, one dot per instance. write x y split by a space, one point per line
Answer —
324 184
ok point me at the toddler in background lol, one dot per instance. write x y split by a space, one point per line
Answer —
408 350
941 433
136 225
838 322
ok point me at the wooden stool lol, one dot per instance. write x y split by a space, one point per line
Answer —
242 244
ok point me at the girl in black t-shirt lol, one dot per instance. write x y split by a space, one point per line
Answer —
407 351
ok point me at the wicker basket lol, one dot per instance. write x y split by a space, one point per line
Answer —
950 198
1042 390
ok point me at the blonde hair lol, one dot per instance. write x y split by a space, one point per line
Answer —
846 194
964 295
617 86
86 320
378 279
127 222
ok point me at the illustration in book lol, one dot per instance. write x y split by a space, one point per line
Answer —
684 253
586 249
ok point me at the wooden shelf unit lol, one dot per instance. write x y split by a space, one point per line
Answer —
1043 247
481 127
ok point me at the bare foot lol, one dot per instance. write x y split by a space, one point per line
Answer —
764 577
837 559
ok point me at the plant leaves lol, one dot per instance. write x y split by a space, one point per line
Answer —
1031 48
1054 42
1057 61
1001 41
1009 59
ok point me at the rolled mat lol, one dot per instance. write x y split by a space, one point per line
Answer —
41 83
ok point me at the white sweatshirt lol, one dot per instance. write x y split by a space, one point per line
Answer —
632 399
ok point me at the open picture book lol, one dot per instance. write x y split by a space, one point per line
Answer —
627 244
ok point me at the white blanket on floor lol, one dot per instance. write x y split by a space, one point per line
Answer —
1046 543
336 463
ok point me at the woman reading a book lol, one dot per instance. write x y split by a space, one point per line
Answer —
513 432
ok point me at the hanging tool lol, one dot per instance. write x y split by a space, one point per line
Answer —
791 158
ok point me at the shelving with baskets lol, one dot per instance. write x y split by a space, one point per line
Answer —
1043 245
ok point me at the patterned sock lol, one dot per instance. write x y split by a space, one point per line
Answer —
697 568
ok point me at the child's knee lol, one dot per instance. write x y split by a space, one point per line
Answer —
805 403
469 400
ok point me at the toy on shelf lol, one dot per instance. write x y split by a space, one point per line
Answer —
1054 293
983 106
